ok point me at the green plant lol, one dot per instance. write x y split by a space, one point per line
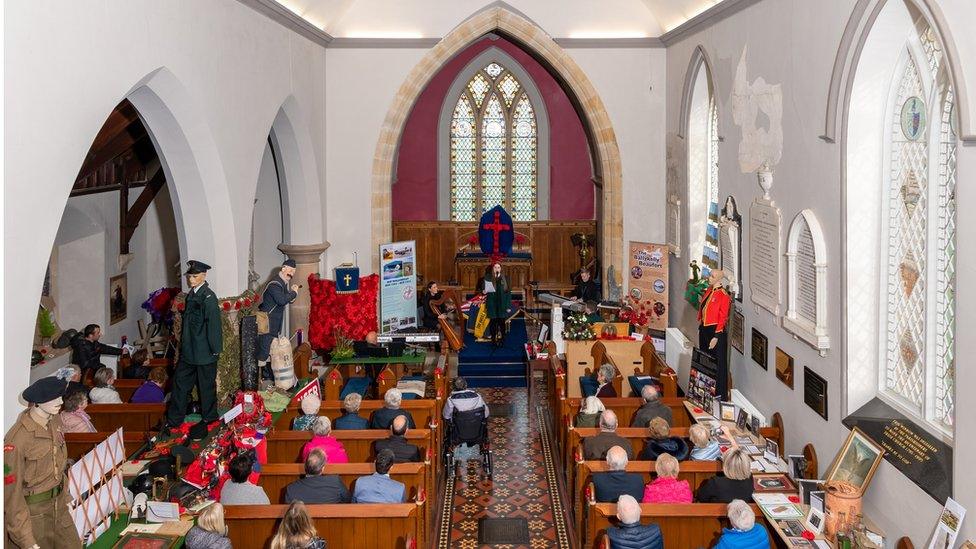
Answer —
343 346
578 327
45 324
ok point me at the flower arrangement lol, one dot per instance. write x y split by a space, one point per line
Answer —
578 328
635 312
343 345
160 305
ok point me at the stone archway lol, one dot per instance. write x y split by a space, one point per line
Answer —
604 142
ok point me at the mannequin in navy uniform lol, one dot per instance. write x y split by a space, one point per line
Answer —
277 294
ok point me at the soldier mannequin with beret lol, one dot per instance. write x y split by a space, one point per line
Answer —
201 342
277 294
35 495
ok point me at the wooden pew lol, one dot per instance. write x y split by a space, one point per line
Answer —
126 387
683 526
422 411
78 444
650 365
341 525
130 417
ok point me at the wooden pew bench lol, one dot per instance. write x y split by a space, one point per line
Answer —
130 417
683 526
422 411
79 444
625 408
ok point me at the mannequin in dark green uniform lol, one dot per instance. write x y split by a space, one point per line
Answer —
201 342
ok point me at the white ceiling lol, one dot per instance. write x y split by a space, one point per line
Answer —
435 18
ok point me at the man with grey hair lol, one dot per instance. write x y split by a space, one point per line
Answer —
631 534
744 532
350 418
383 417
616 481
652 408
604 379
315 487
596 447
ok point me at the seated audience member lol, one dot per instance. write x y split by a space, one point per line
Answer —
310 412
596 447
103 392
631 534
705 448
350 418
138 366
379 487
744 533
209 532
315 487
604 377
391 409
589 414
661 442
610 485
72 374
463 399
403 451
667 488
322 439
237 490
73 416
296 530
151 391
736 482
86 351
652 408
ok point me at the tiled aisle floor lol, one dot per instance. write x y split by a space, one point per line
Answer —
521 486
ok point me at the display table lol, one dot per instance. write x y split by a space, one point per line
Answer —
731 431
777 525
468 268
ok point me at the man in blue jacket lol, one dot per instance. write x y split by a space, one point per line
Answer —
379 487
631 534
277 295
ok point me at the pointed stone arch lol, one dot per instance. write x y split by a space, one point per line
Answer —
699 60
502 19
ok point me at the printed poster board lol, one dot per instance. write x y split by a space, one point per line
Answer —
649 281
398 286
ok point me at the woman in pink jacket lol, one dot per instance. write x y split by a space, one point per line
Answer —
321 431
73 416
666 488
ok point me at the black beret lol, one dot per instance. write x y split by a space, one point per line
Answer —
289 263
196 267
44 390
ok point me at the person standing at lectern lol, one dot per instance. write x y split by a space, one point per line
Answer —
498 301
277 294
713 316
201 342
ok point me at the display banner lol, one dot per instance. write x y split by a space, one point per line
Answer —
398 286
649 281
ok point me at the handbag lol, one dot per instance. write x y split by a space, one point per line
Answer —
264 323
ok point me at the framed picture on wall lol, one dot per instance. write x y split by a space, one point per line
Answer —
737 330
118 298
857 460
760 348
784 367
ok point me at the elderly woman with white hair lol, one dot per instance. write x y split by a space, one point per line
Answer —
350 418
744 532
383 417
631 534
589 414
604 379
310 412
322 439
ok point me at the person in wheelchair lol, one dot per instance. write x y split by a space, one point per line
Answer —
467 416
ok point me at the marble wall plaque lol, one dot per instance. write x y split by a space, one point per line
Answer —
764 255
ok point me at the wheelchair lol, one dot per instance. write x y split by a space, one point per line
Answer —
469 427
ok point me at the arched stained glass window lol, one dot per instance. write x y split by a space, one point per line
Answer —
703 200
494 147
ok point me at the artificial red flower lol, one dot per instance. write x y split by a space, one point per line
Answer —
698 410
473 239
794 499
181 306
237 305
808 535
520 239
226 305
247 302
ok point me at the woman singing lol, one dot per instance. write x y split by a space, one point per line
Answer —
498 301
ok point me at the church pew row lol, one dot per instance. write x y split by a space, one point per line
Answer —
652 365
625 408
423 411
130 417
79 444
397 526
682 525
333 383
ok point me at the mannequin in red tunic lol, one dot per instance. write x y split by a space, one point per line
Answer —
713 316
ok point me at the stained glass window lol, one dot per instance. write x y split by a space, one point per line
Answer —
919 269
494 147
710 259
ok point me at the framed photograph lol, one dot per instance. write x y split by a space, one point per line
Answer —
771 453
814 521
857 460
760 347
792 528
741 421
738 329
772 482
797 465
145 541
815 392
784 367
727 411
799 543
807 487
817 500
754 423
118 298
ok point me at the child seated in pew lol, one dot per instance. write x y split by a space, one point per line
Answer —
297 531
103 392
322 439
589 414
316 487
73 416
661 442
310 412
705 448
667 488
736 482
237 490
631 534
350 418
210 531
379 487
151 392
744 533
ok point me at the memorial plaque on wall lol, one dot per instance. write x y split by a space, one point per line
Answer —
760 346
920 456
815 391
737 330
730 245
764 255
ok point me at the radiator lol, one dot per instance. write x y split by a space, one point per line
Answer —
678 355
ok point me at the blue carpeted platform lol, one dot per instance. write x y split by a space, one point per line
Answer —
483 365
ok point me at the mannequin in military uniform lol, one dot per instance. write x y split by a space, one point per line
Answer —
277 294
201 342
713 316
35 495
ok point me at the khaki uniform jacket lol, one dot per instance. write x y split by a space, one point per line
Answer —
34 460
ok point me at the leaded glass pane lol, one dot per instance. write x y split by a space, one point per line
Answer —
463 162
478 86
493 155
945 363
524 161
710 258
509 87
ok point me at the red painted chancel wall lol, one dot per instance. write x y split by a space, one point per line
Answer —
571 190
